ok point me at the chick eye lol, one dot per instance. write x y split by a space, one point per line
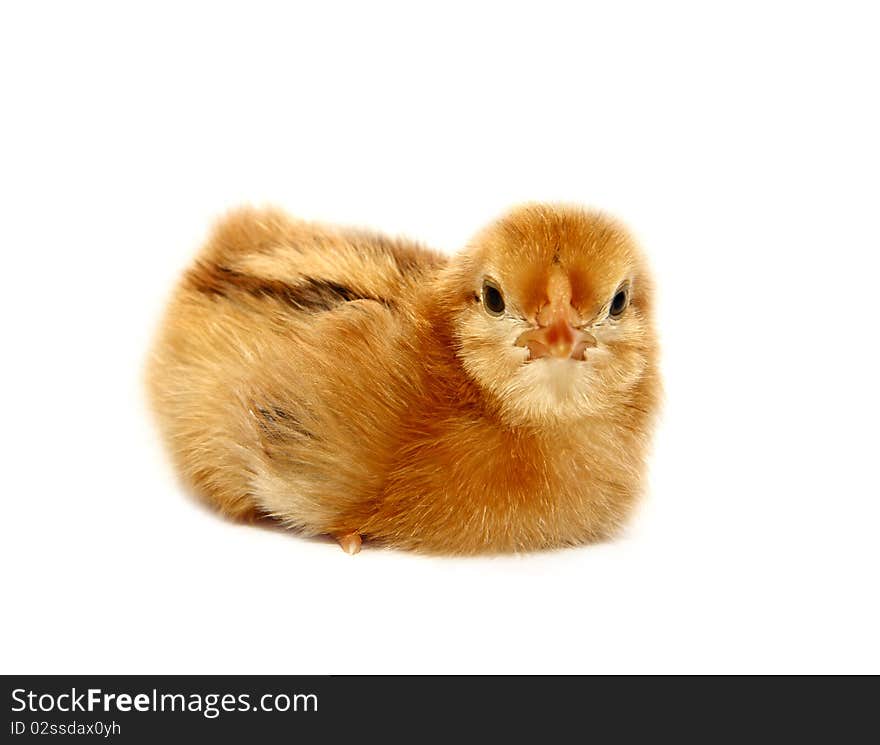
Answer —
493 300
619 302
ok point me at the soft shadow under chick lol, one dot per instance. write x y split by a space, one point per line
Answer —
345 383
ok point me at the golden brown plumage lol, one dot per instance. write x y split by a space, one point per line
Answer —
498 400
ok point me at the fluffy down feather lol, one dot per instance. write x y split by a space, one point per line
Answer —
353 385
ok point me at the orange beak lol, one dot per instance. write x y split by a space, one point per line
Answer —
556 336
557 339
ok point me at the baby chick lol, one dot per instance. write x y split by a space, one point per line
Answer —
349 384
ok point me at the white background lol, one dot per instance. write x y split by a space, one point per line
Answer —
741 146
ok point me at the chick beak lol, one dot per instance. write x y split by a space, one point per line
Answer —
558 339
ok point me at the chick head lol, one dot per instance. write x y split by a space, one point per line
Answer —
553 313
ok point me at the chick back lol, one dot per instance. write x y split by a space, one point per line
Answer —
258 376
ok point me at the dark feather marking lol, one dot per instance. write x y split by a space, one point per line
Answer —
309 293
276 422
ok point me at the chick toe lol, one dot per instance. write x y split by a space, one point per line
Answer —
350 543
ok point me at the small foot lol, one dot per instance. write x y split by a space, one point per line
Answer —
350 542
